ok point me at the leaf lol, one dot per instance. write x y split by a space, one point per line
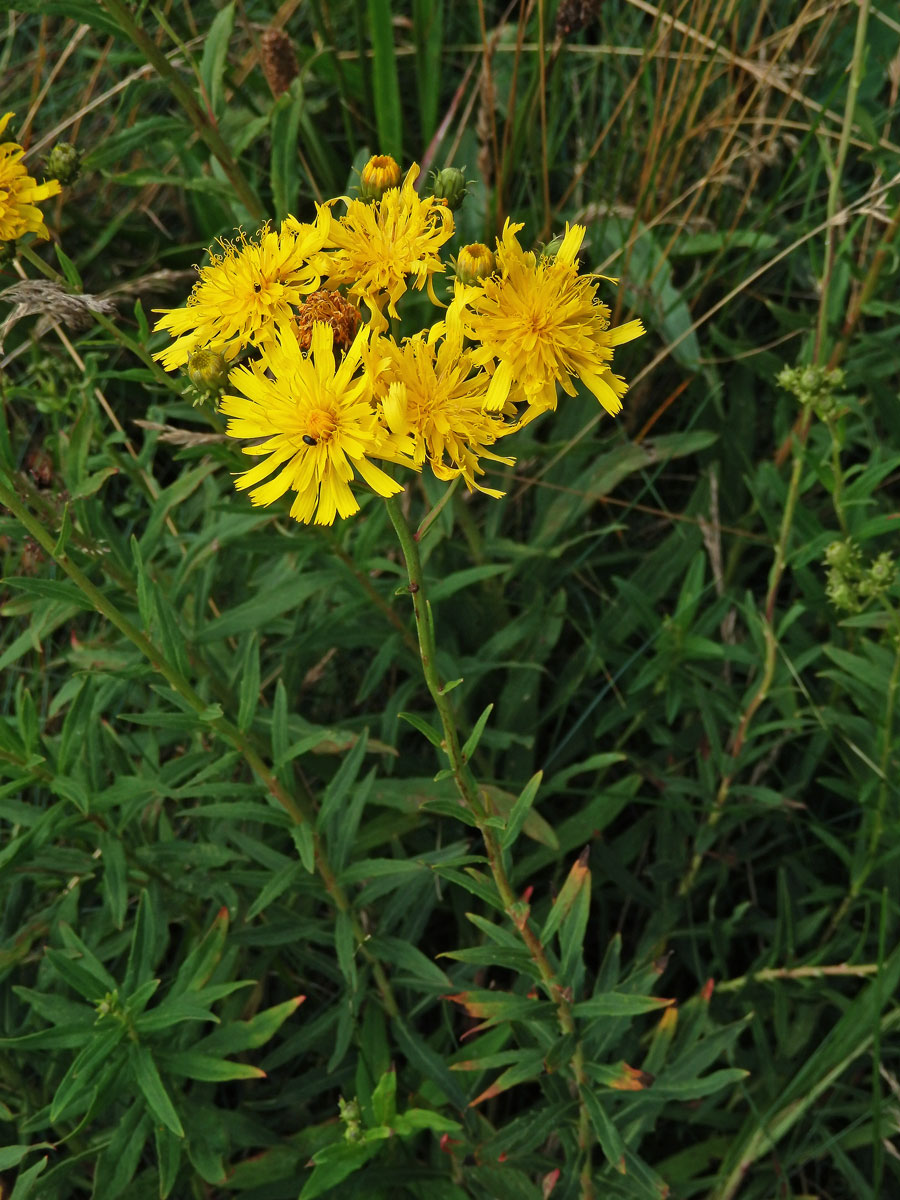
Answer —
386 86
215 56
284 140
607 1135
11 1156
475 736
423 727
147 1078
206 1067
618 1004
579 878
520 810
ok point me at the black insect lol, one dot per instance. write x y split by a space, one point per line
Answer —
310 441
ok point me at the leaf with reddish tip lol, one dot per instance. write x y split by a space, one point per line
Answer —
530 1066
579 876
621 1077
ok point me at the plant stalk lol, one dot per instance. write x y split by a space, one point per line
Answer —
478 807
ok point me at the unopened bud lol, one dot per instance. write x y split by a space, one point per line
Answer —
450 187
64 163
552 248
207 371
475 262
379 175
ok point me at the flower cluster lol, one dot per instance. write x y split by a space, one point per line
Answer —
303 320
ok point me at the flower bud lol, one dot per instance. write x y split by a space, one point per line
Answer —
450 187
552 248
379 174
64 163
207 371
475 262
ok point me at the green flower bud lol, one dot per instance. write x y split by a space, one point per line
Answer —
64 163
450 187
207 371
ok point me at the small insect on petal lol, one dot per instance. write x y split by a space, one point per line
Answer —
310 441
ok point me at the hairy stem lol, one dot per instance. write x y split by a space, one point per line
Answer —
479 808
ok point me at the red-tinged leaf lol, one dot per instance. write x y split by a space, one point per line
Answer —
620 1076
549 1182
530 1066
631 1079
578 876
707 991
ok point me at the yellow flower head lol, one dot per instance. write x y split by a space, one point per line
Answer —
539 321
247 293
426 389
378 246
317 426
19 193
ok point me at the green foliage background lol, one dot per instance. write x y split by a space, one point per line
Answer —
647 612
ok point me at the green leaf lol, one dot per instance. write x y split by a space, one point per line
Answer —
302 837
520 810
336 792
618 1004
215 56
11 1156
206 1067
115 877
423 727
475 736
284 140
147 1078
386 85
607 1135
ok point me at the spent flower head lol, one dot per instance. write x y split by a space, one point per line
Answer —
20 193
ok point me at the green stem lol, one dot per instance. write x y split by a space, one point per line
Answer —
202 121
474 801
837 488
299 810
837 171
779 563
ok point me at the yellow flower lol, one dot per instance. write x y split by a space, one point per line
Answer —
19 193
247 293
317 424
539 321
426 390
378 246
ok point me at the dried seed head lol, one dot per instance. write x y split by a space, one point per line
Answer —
334 310
279 60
